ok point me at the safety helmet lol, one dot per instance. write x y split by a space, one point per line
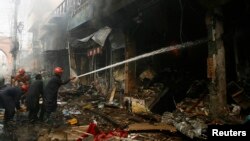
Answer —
21 71
24 88
58 70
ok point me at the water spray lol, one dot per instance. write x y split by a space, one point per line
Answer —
159 51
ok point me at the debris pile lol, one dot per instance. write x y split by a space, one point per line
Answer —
192 127
84 113
194 107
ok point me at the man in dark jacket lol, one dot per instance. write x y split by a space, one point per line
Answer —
10 99
51 90
34 93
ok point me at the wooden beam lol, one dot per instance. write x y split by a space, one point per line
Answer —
148 127
130 77
216 65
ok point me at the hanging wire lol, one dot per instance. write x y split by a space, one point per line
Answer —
181 20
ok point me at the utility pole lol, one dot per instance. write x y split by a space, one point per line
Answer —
15 46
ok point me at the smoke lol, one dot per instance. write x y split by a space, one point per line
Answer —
5 71
39 12
106 7
103 7
3 63
29 57
42 8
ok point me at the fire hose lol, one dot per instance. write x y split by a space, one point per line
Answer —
159 51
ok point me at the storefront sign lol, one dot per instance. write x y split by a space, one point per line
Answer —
94 51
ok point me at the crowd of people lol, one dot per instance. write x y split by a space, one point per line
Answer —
23 91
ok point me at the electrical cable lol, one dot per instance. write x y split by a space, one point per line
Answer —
181 21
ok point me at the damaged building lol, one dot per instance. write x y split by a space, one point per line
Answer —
90 35
182 65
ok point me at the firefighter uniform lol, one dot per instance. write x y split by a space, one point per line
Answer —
10 99
51 91
34 93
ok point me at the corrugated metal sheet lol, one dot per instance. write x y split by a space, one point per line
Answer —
99 37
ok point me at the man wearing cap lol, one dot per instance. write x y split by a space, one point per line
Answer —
51 90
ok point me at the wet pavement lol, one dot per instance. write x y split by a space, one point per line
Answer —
21 129
20 132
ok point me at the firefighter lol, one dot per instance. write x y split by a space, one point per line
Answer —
10 100
51 90
34 94
21 78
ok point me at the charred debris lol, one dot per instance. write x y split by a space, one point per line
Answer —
174 95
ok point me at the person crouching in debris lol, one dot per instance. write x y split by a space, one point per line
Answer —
51 90
34 93
10 101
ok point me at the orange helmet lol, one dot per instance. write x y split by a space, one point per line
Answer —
58 70
21 71
24 88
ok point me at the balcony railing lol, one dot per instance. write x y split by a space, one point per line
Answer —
81 11
68 6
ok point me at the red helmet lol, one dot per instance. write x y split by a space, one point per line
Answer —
58 70
24 88
21 71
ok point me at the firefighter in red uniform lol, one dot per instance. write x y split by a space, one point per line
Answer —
20 79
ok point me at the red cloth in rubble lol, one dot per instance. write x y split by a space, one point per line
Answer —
102 136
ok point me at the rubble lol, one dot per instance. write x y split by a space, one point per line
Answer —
84 108
239 95
137 117
192 127
73 118
194 106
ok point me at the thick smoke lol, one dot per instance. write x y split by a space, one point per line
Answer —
30 56
5 71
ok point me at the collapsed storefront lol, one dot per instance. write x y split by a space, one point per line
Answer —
167 92
140 31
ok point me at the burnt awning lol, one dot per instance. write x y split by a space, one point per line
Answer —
99 36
